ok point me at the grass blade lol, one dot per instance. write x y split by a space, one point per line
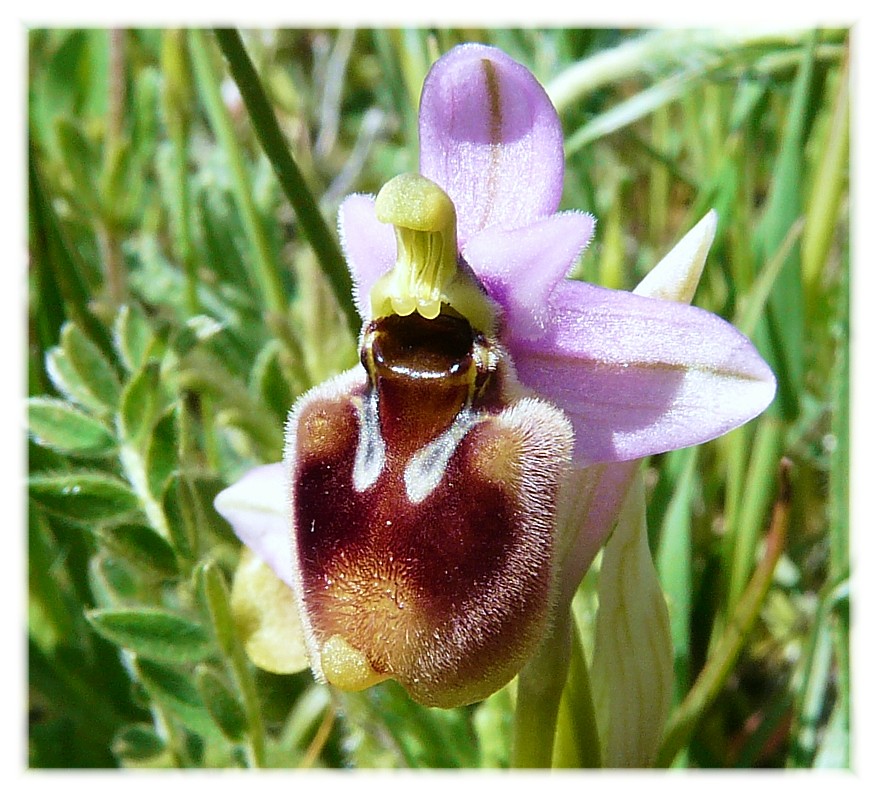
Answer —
266 126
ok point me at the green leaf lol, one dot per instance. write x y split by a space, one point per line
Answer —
121 182
220 240
724 652
674 559
217 596
267 380
113 581
142 546
161 455
60 268
133 337
291 179
81 372
177 99
85 496
71 726
62 427
179 694
153 634
49 589
577 745
181 512
137 742
222 704
493 724
305 717
147 96
425 737
205 489
743 545
834 748
55 91
140 405
91 365
632 669
261 263
69 383
827 193
82 160
784 328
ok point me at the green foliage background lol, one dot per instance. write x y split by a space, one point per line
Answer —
178 305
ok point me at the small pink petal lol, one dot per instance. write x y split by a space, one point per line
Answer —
521 268
370 246
491 139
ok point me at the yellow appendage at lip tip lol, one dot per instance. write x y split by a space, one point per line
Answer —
426 275
346 667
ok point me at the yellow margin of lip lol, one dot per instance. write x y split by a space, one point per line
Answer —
346 667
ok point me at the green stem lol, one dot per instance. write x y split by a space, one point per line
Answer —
267 274
577 744
292 182
822 210
177 109
183 225
541 683
217 595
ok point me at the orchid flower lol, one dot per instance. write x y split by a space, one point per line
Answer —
427 516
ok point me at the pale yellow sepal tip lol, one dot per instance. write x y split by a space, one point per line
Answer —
266 618
346 667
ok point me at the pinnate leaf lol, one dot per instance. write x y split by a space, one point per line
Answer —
177 692
162 453
222 704
154 634
143 402
137 742
133 337
142 546
62 427
80 371
84 496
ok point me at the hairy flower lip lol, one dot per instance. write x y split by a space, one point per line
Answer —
444 584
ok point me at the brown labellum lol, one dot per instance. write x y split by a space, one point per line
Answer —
423 488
